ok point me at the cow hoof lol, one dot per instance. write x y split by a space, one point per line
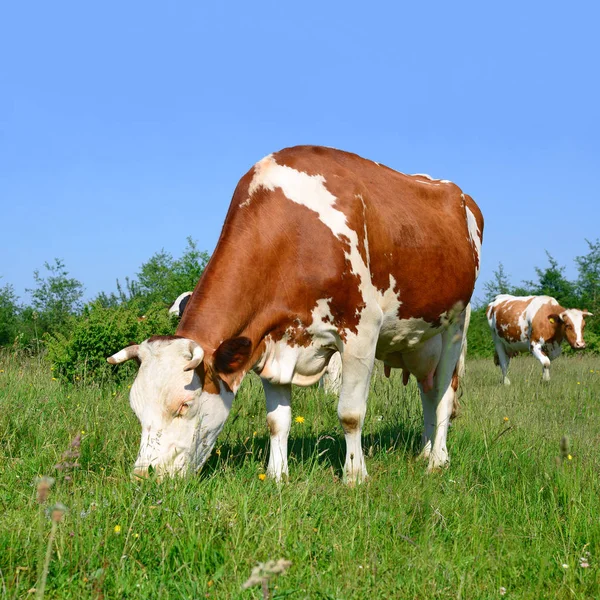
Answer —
438 461
355 479
506 381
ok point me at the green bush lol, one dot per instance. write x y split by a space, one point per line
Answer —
99 332
479 337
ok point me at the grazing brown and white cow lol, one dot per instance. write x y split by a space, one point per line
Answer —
321 251
536 324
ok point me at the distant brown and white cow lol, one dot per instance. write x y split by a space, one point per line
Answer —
536 324
321 251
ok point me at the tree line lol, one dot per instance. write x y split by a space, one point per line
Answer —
76 336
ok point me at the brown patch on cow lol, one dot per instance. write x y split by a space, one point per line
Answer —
350 423
507 319
273 425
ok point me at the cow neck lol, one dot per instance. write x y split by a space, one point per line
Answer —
231 300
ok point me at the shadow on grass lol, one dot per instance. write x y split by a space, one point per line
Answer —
327 449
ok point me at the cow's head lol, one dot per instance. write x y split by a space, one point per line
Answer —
572 323
181 399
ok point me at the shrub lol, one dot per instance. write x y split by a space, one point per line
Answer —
479 337
99 332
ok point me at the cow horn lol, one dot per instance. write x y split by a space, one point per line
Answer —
197 356
125 354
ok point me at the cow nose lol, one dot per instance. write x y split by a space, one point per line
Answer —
580 345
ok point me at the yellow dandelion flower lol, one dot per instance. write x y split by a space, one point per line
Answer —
505 419
1 370
570 457
262 476
210 583
136 535
218 451
83 432
254 434
117 529
54 379
299 419
579 383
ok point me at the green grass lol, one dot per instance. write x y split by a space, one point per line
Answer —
507 513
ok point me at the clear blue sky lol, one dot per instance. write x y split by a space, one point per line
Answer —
124 127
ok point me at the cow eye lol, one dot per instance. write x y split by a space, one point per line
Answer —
183 408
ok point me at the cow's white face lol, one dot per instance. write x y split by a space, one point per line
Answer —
573 323
180 420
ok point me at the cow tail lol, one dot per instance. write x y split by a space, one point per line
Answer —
459 370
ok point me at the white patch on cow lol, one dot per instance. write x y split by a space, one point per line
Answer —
431 179
304 189
475 235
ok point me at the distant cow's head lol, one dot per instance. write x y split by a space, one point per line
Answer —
572 323
181 399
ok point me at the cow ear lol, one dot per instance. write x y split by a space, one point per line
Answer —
554 318
232 355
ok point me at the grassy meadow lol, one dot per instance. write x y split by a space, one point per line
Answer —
510 517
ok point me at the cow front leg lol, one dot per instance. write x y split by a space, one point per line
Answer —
536 350
279 420
357 366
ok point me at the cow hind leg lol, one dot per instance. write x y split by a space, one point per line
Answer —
502 359
439 401
279 420
357 366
